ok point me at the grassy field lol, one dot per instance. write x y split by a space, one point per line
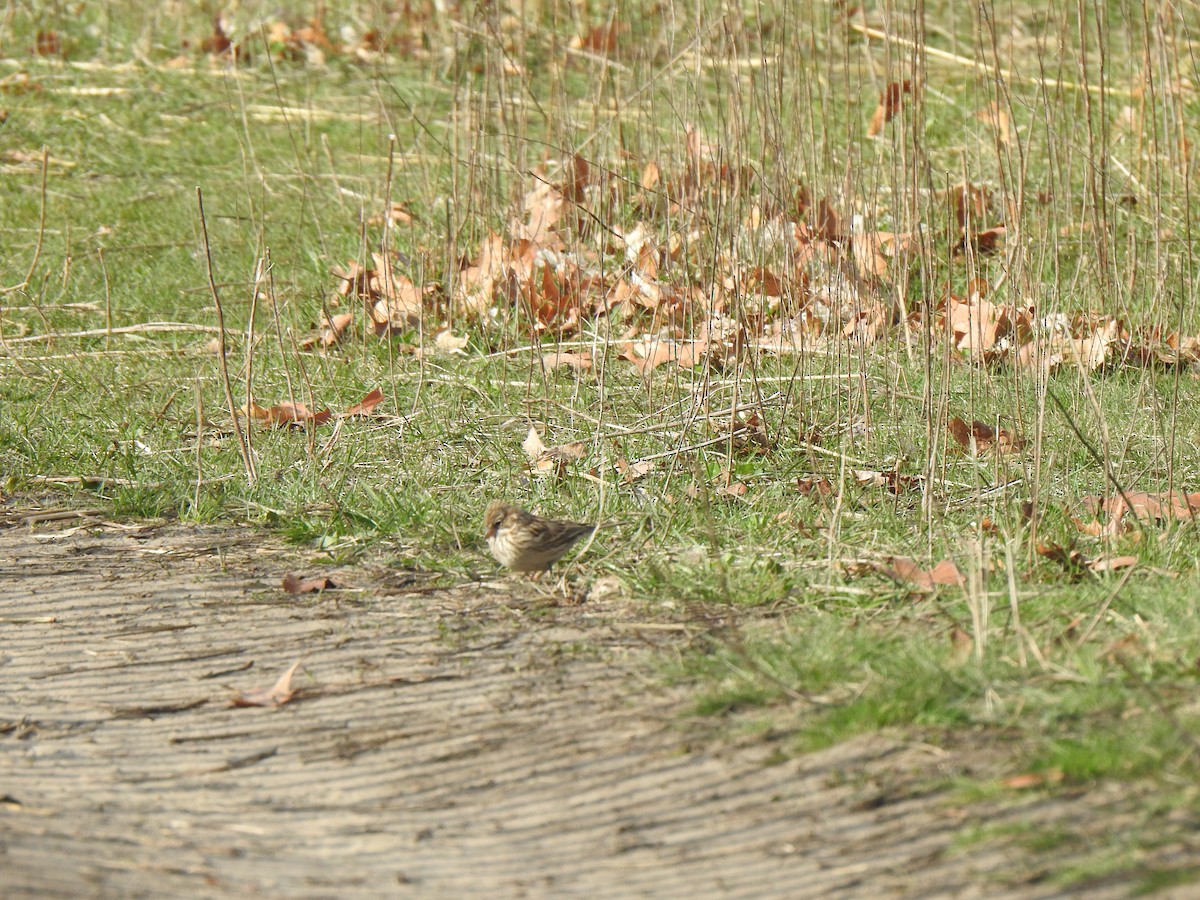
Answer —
700 181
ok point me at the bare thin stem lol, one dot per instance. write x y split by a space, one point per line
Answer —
107 301
199 444
243 445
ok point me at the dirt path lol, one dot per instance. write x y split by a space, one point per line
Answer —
466 743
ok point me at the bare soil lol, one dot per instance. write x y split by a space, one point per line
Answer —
482 741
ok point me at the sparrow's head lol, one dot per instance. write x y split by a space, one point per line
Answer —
493 517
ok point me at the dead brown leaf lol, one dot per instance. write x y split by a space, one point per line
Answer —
647 354
866 326
543 207
996 116
971 204
907 571
294 584
285 414
546 462
962 645
983 242
478 281
976 324
651 176
894 481
331 332
279 694
581 361
827 225
724 485
1158 507
814 485
889 106
634 471
48 43
984 437
1028 780
1076 563
449 342
396 214
367 404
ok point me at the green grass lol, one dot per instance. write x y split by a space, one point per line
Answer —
1087 675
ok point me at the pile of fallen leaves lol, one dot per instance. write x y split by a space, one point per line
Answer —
563 262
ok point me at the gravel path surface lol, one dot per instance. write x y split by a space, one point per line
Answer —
477 742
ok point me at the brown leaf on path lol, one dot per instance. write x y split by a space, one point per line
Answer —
889 106
1172 350
581 175
1028 780
557 303
294 584
558 358
397 303
600 39
252 410
985 437
907 571
533 445
1186 348
1094 528
1165 505
277 695
367 404
392 301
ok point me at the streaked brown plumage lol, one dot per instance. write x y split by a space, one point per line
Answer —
528 543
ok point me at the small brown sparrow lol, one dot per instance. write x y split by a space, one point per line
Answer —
528 543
